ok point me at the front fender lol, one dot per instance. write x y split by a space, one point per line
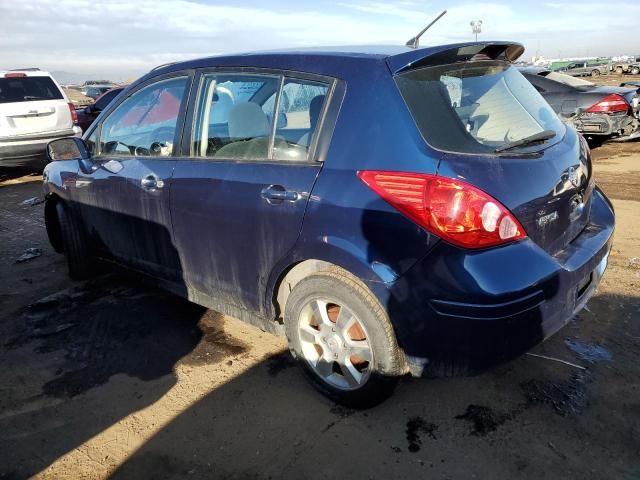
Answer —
59 178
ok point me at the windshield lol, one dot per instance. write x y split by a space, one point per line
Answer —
568 80
476 107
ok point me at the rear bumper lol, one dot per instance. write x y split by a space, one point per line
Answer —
459 311
605 124
16 151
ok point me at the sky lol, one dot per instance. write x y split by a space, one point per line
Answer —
127 38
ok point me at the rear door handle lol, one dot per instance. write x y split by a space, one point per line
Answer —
276 194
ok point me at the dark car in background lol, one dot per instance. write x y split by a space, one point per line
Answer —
88 114
94 91
391 210
602 111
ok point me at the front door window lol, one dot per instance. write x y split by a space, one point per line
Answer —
145 124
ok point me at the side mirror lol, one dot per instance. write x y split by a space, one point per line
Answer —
70 148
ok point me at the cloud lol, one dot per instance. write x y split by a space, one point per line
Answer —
117 34
405 10
126 36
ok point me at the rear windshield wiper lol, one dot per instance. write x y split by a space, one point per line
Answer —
536 137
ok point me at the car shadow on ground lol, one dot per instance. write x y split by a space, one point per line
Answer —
74 342
108 348
32 168
530 418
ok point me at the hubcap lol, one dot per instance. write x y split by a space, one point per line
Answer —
335 344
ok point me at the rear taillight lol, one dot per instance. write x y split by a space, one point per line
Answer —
610 103
74 114
455 211
15 75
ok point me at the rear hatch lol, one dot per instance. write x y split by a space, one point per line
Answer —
31 104
494 131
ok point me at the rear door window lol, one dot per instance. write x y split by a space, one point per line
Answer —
236 115
475 107
28 89
230 121
301 104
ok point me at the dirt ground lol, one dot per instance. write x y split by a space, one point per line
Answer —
77 98
113 378
613 79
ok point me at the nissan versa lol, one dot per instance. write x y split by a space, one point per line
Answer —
391 210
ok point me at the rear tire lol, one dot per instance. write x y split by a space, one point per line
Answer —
619 70
74 242
343 339
595 73
635 71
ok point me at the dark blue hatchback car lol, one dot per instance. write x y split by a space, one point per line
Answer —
391 210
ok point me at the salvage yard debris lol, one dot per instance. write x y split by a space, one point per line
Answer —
33 201
29 254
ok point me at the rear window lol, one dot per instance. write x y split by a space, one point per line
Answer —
476 107
28 89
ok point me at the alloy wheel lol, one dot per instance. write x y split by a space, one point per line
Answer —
335 344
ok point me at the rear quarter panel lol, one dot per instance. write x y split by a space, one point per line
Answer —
347 223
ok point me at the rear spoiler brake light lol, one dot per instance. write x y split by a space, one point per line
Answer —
14 75
460 52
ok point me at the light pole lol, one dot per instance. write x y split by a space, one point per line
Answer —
476 27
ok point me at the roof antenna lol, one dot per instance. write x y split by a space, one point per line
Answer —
415 41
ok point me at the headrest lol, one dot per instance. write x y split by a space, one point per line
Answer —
247 120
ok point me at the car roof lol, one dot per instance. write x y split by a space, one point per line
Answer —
27 73
339 61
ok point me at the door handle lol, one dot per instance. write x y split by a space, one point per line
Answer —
151 182
276 194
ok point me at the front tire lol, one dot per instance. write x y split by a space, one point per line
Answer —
595 73
75 246
343 339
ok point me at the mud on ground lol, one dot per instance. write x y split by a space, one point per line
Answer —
115 378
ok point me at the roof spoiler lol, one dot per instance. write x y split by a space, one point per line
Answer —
459 52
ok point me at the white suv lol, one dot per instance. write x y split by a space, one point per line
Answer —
33 111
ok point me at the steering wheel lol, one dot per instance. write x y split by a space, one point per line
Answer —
110 147
162 137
